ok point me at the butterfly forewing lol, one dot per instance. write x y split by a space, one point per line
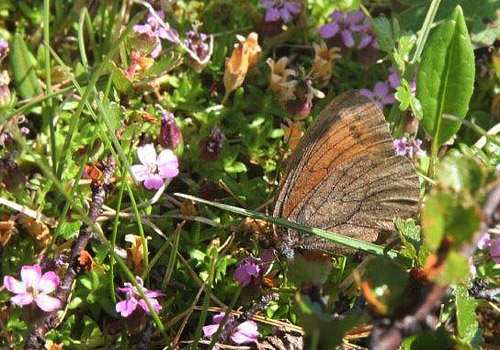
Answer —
344 177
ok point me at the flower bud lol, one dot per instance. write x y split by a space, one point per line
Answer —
210 147
170 133
209 191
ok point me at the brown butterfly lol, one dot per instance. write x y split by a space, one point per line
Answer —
345 177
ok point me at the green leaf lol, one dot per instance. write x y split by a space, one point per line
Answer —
446 78
446 215
23 69
321 327
461 173
456 269
383 31
468 327
304 270
437 340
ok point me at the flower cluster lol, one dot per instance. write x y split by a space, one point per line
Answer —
251 269
5 95
381 94
280 10
155 168
133 299
493 243
243 333
295 95
348 30
34 287
408 147
155 31
199 46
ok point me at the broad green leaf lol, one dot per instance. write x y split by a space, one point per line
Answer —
447 215
321 325
387 281
304 270
468 327
383 31
456 269
446 78
437 340
461 173
23 69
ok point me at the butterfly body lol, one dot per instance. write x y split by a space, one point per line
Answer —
345 177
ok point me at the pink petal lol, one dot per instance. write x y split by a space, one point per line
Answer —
495 249
355 17
13 285
209 330
22 299
168 164
47 303
484 242
293 7
126 307
381 89
245 333
366 92
337 15
347 38
154 182
156 51
365 40
328 30
147 154
31 275
144 29
272 14
154 303
140 172
49 282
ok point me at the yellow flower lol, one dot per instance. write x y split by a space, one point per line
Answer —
323 63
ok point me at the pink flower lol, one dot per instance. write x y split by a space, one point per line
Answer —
410 147
154 30
246 332
133 298
493 243
34 287
380 94
345 24
252 268
154 169
280 9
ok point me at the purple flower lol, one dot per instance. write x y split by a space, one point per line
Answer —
199 45
154 169
133 298
368 39
244 333
170 133
280 9
493 243
155 30
410 147
34 287
381 94
5 95
4 49
345 24
251 268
